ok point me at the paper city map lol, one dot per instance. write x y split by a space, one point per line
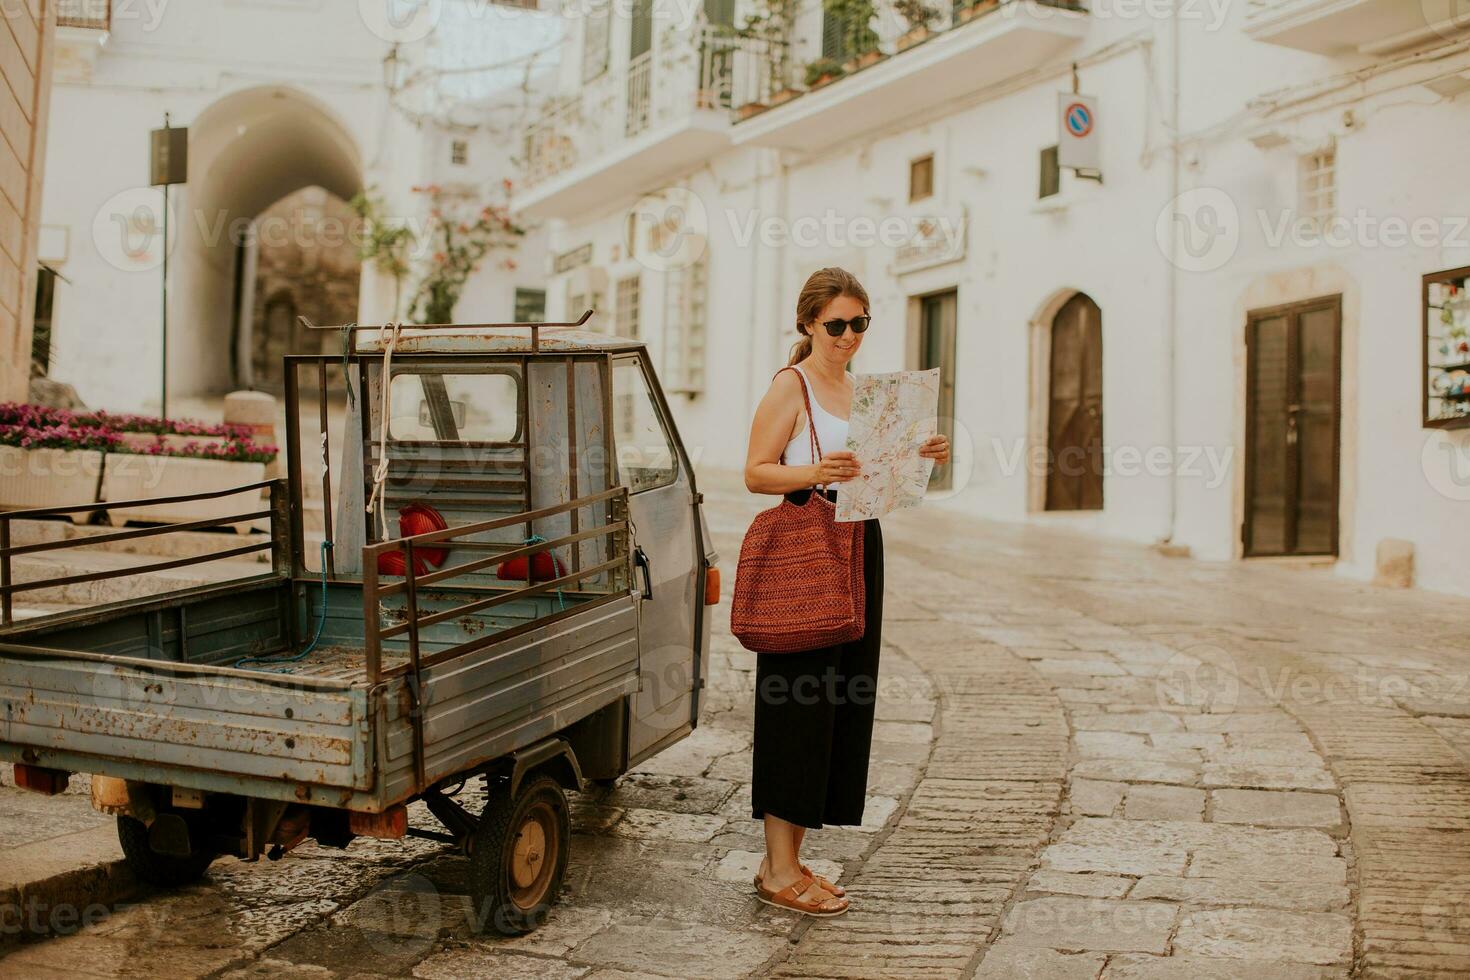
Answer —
892 414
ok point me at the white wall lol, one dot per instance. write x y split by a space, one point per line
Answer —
1400 158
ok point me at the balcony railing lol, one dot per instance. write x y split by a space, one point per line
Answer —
90 14
707 70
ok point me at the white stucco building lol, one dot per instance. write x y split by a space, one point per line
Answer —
276 97
1283 172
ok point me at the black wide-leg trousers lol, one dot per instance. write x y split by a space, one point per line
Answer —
814 716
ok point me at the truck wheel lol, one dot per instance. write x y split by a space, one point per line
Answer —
519 856
161 870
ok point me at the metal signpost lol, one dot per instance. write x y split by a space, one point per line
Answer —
168 164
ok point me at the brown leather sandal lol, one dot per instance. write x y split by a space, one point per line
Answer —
790 897
835 889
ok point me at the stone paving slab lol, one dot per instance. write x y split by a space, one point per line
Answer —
1090 761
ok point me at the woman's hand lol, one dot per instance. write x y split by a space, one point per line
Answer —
935 448
837 467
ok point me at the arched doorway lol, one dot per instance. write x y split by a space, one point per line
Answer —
1068 407
249 152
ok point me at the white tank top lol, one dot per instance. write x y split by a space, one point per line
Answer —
831 431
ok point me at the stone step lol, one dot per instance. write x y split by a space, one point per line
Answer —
174 544
82 561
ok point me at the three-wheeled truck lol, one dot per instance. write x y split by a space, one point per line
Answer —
512 583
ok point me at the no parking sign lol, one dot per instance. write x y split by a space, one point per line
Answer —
1077 142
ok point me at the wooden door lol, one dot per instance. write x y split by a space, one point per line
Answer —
1074 478
1293 425
936 350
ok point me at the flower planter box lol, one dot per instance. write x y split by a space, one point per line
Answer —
975 10
127 476
752 108
913 37
144 441
785 95
49 478
863 60
824 80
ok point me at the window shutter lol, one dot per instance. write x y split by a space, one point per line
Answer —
641 36
834 36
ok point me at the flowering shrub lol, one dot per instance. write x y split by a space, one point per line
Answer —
461 237
38 427
57 437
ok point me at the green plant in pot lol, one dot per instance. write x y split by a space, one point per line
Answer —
920 17
822 71
858 37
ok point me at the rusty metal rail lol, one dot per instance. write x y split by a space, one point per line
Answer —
352 329
276 512
614 529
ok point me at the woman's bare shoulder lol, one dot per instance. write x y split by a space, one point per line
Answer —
786 385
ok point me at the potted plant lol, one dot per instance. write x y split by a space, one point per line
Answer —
770 27
822 71
972 10
856 17
919 16
748 109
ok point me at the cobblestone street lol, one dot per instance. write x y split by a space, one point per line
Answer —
1090 761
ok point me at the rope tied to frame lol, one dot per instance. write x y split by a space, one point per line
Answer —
388 335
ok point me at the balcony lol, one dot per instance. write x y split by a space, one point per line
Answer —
970 55
1336 27
628 129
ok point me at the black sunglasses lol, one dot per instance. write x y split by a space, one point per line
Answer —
835 328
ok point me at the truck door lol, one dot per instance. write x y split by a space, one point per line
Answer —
661 506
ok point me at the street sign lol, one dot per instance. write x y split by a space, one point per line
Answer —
1077 132
168 156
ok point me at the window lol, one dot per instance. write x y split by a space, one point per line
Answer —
41 328
834 36
459 152
625 322
644 451
921 178
1447 349
531 305
432 406
686 292
1051 173
1317 187
596 37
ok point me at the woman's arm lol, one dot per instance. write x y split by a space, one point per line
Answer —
769 432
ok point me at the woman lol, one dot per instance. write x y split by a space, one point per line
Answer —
814 709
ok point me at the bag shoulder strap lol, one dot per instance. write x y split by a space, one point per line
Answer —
811 424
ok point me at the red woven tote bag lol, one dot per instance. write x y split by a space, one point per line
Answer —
799 580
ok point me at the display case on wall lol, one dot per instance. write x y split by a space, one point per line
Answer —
1447 349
